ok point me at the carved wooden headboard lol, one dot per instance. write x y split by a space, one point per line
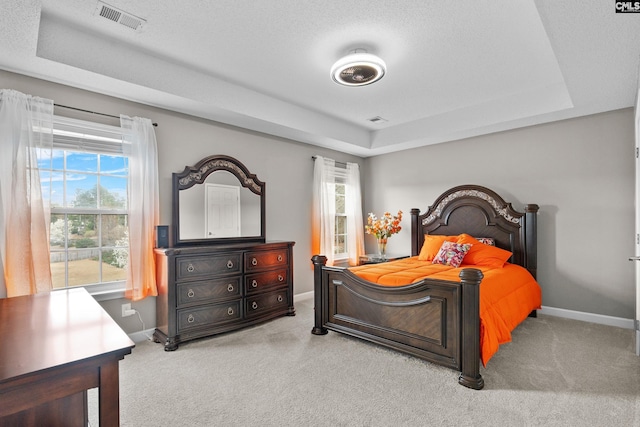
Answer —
480 212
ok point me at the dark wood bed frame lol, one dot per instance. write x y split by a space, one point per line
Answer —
435 320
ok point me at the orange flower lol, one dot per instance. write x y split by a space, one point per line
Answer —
384 227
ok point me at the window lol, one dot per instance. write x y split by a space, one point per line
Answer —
84 181
337 226
341 231
341 234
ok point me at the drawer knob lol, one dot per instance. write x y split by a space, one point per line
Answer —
230 311
254 261
191 268
280 298
230 287
254 283
191 294
229 264
191 319
279 258
254 305
280 278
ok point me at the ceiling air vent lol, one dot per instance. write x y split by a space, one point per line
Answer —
117 15
377 119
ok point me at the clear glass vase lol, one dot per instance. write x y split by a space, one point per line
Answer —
382 247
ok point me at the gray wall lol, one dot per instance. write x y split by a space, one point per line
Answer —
285 166
580 172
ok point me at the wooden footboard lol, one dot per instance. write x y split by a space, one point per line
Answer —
435 320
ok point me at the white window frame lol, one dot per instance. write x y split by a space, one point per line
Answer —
340 178
96 138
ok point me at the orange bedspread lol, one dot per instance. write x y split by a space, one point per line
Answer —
507 295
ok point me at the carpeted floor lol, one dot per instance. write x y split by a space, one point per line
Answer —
555 372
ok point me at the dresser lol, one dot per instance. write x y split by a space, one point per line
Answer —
212 289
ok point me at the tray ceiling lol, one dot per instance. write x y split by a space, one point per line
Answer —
454 70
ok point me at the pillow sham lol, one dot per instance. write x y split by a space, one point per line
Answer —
451 253
487 240
432 244
484 255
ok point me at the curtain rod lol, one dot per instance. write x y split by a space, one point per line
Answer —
337 162
91 112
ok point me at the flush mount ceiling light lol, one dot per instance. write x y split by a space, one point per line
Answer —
359 68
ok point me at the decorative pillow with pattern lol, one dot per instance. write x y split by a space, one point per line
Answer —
451 253
486 240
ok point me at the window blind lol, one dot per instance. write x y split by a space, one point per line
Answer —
80 135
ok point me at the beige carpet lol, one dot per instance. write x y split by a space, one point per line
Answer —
556 372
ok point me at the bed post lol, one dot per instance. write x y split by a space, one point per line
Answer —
318 300
415 232
470 279
531 239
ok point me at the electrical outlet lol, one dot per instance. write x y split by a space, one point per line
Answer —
127 311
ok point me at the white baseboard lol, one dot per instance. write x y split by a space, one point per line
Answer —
550 311
147 334
303 296
588 317
141 335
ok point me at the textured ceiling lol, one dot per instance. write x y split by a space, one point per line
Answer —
455 69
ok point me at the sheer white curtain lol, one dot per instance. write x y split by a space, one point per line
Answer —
324 208
26 126
353 210
144 208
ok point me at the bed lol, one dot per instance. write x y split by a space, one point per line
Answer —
445 318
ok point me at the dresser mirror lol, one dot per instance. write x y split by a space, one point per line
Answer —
218 201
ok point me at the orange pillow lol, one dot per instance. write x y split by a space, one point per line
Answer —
432 244
481 254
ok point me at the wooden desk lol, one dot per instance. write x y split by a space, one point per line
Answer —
53 348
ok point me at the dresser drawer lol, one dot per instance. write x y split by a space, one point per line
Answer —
195 267
259 282
259 304
189 318
260 260
195 292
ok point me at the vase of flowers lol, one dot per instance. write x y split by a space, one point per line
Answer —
383 228
382 247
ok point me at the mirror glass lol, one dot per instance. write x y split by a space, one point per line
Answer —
219 207
217 200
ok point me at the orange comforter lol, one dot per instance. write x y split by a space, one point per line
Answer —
507 295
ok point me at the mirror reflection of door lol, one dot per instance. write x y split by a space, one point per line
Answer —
223 210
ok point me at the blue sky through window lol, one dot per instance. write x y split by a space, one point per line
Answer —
82 173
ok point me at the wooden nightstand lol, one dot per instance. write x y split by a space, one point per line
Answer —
375 258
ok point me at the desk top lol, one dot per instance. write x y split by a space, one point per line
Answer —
47 330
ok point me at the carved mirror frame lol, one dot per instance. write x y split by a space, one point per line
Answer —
197 174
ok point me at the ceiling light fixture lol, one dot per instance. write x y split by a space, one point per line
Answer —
359 68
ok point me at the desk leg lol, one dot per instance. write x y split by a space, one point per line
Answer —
109 395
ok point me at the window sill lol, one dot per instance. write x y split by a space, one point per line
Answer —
341 262
106 291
